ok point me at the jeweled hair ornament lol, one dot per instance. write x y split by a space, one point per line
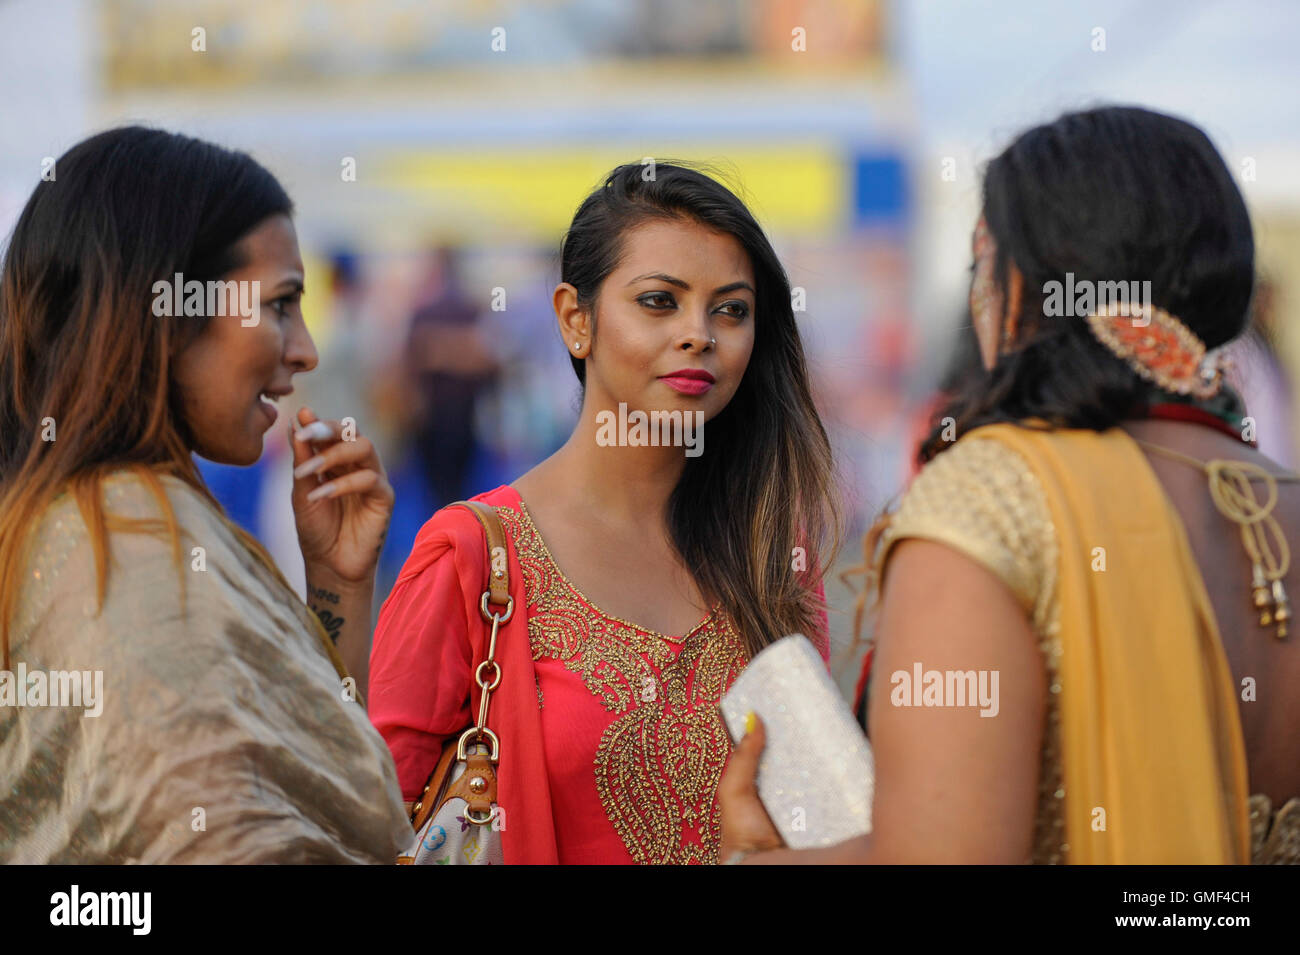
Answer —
1158 346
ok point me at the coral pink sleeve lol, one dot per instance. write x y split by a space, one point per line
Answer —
420 666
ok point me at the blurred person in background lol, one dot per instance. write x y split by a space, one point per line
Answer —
1099 537
451 364
339 388
671 299
220 689
530 409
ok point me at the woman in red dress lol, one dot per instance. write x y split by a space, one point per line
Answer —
672 304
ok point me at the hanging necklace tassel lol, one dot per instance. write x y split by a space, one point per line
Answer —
1282 609
1261 534
1262 598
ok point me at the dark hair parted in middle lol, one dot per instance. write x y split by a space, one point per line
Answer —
765 485
1115 194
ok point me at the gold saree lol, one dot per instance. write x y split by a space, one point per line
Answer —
223 736
1143 757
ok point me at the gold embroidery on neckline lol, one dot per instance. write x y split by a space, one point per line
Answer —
658 765
555 565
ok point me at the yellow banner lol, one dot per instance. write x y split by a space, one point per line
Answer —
801 189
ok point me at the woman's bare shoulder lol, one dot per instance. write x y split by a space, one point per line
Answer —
1204 444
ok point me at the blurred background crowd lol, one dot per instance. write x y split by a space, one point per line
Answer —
436 151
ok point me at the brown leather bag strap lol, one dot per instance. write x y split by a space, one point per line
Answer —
488 675
498 563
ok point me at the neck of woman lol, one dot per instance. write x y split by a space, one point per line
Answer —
627 480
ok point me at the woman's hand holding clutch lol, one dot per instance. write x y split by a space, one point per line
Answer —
746 827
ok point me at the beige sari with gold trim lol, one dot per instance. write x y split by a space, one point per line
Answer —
225 734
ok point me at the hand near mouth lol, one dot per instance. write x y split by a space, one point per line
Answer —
342 500
342 503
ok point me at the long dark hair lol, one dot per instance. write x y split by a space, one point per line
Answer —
79 343
1116 194
765 485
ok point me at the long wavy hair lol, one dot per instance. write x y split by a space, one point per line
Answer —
83 360
766 485
1111 194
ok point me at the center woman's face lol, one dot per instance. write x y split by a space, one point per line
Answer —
680 301
231 375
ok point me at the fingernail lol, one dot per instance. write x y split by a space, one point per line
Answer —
751 722
316 431
325 490
309 467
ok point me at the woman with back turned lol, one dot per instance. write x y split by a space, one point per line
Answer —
1101 535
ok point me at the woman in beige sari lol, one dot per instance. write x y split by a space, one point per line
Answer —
1093 526
165 696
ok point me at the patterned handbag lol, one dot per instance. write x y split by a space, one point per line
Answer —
456 819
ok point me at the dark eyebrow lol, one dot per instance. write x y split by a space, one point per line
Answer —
666 278
289 286
721 290
734 287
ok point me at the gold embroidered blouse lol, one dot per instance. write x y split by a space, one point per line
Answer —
634 742
981 498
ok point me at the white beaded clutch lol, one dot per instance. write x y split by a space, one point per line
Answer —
816 776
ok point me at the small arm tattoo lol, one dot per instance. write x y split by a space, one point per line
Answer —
333 624
319 594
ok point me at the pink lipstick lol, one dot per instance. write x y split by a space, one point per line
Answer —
688 381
